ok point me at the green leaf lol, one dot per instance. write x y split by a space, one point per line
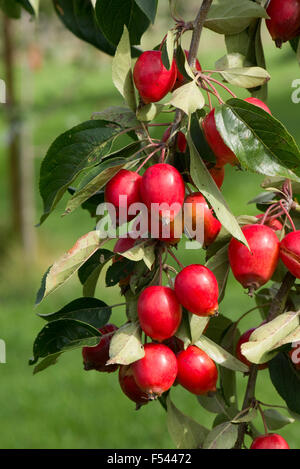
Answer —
121 71
149 112
167 50
188 98
121 115
89 310
286 380
233 16
213 402
246 77
149 7
246 416
77 149
275 420
69 263
79 17
141 251
63 335
222 436
46 362
10 8
197 326
232 60
126 346
90 271
266 338
259 141
113 15
118 271
206 185
219 265
185 432
220 355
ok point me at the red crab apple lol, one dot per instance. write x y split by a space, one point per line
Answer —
243 339
197 372
290 252
159 312
218 175
163 184
197 290
284 22
222 152
156 372
170 233
152 80
275 224
95 358
129 386
127 184
180 78
254 268
269 441
180 139
196 210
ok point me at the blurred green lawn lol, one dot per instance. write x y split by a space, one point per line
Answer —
65 407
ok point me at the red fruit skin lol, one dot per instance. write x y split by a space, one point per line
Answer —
212 226
95 358
294 355
197 290
159 312
152 80
254 268
180 78
274 224
218 175
157 371
124 183
290 252
243 339
222 152
197 372
129 386
180 140
257 102
284 22
270 441
175 344
162 183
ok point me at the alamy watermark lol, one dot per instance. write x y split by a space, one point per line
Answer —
296 94
2 92
295 355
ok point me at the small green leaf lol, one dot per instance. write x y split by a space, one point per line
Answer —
90 271
185 432
246 77
89 310
276 420
219 265
167 51
46 362
213 402
233 16
210 191
188 98
286 380
126 346
223 436
233 60
149 112
63 335
121 71
118 271
149 7
220 355
246 416
69 263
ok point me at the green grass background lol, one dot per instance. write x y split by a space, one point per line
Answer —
65 407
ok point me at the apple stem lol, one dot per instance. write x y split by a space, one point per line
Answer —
263 418
175 258
147 159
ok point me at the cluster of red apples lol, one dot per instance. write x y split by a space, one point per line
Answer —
166 362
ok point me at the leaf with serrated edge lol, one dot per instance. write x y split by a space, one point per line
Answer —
188 98
69 263
126 346
259 348
220 355
223 436
247 77
185 432
121 70
207 186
